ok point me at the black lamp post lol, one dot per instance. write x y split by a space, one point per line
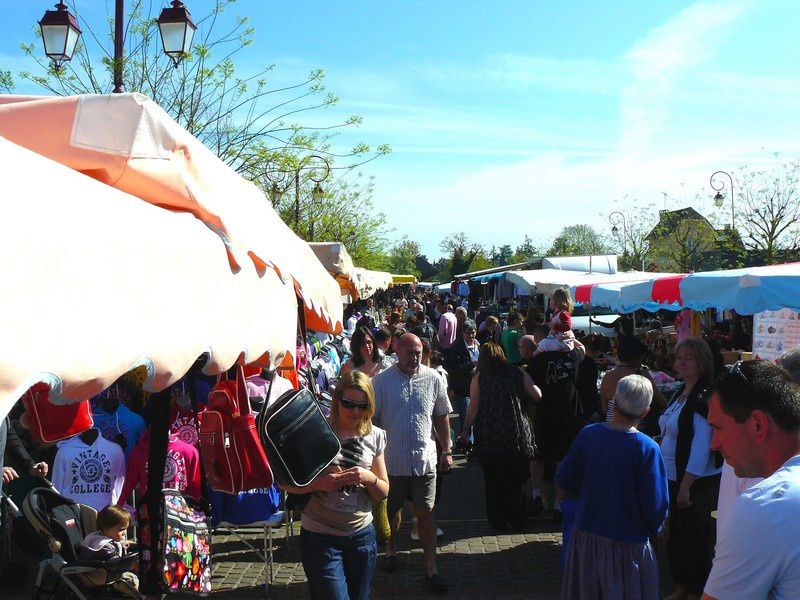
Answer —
719 199
60 33
617 218
318 169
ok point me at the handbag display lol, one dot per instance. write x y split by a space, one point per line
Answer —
185 546
50 422
297 438
233 458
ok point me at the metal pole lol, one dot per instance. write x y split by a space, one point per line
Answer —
119 45
297 199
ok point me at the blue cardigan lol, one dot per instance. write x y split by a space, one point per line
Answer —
621 483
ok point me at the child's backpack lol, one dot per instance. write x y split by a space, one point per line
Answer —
233 458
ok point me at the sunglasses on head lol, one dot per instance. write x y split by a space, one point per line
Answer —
734 370
353 405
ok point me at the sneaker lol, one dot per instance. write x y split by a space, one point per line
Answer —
536 507
436 583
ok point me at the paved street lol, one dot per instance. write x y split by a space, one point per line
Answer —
476 562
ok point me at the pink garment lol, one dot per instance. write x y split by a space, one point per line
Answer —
181 472
683 325
447 330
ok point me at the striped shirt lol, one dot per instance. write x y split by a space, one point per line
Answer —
404 408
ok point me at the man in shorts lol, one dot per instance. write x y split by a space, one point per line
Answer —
411 405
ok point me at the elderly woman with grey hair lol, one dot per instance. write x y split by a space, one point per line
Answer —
618 475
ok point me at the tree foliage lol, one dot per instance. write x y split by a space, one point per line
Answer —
684 248
579 240
403 257
631 240
459 252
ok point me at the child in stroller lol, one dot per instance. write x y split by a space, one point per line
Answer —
64 525
109 542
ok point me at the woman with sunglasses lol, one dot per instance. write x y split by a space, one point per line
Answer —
337 539
366 357
693 471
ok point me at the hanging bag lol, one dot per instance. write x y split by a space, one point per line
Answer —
50 422
185 545
233 458
296 436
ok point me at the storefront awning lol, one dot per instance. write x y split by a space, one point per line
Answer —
335 258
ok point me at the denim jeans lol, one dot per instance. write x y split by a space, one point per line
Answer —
339 567
461 404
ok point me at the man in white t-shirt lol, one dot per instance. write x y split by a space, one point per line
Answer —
754 412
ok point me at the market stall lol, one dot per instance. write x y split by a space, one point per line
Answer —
370 282
546 281
128 142
97 282
335 258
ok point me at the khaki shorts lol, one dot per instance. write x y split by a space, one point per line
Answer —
420 490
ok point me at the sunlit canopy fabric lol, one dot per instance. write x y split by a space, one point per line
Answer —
606 293
747 291
370 282
128 142
335 258
400 279
96 282
546 281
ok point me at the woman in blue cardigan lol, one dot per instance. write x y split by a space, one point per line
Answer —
618 475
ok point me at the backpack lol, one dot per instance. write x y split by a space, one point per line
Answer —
53 422
233 458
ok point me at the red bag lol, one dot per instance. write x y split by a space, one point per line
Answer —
233 458
53 422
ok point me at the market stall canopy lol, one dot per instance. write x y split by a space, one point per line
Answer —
597 263
546 281
606 293
128 142
97 282
401 279
370 282
335 258
747 291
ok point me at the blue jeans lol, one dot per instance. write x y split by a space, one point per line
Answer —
339 567
461 404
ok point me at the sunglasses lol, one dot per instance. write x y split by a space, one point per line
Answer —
736 370
353 405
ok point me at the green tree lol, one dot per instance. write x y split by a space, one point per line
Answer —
459 252
403 257
631 241
501 256
6 81
526 251
579 240
685 247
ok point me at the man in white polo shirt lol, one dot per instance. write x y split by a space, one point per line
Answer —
411 405
754 412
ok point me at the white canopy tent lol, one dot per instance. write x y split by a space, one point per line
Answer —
546 281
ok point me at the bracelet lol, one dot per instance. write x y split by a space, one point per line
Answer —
448 453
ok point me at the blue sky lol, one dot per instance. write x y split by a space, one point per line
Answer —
514 118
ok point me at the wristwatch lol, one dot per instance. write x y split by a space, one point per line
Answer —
448 453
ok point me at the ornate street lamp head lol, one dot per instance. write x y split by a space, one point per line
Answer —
177 31
60 34
719 199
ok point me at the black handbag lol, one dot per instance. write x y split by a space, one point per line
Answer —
297 438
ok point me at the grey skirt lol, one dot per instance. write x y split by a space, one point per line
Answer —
598 567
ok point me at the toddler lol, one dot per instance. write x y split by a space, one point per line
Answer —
109 542
561 337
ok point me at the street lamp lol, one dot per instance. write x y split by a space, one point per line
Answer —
60 33
719 199
617 218
317 168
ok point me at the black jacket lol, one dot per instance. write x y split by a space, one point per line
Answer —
459 368
696 402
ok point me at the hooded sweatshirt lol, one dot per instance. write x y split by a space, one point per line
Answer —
181 471
97 546
123 425
90 474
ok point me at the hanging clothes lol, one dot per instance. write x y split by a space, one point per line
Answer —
92 474
181 472
122 426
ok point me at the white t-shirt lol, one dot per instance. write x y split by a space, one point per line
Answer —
758 549
701 461
349 509
730 488
89 474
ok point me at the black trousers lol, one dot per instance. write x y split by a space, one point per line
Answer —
692 534
505 495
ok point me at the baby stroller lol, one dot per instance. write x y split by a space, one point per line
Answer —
63 524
